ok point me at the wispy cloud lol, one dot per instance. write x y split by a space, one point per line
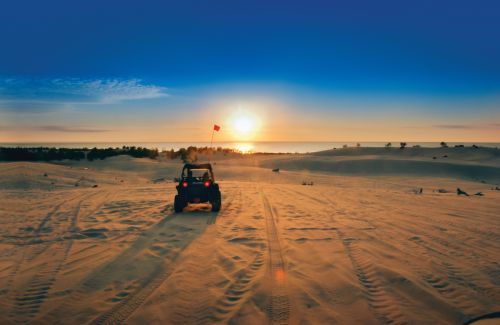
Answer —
108 90
64 129
50 94
468 126
454 126
54 128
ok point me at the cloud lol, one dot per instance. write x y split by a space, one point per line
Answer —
108 90
453 126
52 94
64 129
468 126
53 128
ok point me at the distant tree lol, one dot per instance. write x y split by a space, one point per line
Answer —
358 145
183 153
402 145
344 146
443 144
388 145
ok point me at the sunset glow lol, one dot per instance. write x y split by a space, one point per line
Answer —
243 125
244 147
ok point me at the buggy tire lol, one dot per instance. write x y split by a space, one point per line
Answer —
216 201
179 204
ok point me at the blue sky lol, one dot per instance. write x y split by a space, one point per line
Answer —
114 70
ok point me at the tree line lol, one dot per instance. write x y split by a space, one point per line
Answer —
189 154
50 154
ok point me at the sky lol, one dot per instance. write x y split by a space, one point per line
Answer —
113 71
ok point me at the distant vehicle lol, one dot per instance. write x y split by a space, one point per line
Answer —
197 185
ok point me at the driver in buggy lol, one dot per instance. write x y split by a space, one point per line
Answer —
190 177
205 177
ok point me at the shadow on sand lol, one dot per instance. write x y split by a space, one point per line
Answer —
142 267
488 319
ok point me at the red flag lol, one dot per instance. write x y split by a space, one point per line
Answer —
216 127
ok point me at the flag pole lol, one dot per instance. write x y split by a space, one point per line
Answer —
214 128
211 142
212 138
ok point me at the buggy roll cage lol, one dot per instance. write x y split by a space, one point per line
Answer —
197 166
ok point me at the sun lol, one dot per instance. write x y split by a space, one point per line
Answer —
244 125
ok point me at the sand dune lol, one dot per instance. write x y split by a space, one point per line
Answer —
467 163
378 167
349 249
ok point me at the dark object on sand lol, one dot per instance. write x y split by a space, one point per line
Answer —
276 170
421 191
459 146
486 318
94 186
445 156
460 192
197 185
442 190
474 146
433 157
45 175
479 194
496 188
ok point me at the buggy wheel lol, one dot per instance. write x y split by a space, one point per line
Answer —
216 202
179 204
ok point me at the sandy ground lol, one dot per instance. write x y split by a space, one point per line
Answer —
364 250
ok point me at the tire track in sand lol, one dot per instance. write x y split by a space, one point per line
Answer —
384 306
447 280
239 290
27 302
235 294
201 306
279 306
119 313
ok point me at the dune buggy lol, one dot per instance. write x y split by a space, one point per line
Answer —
197 185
